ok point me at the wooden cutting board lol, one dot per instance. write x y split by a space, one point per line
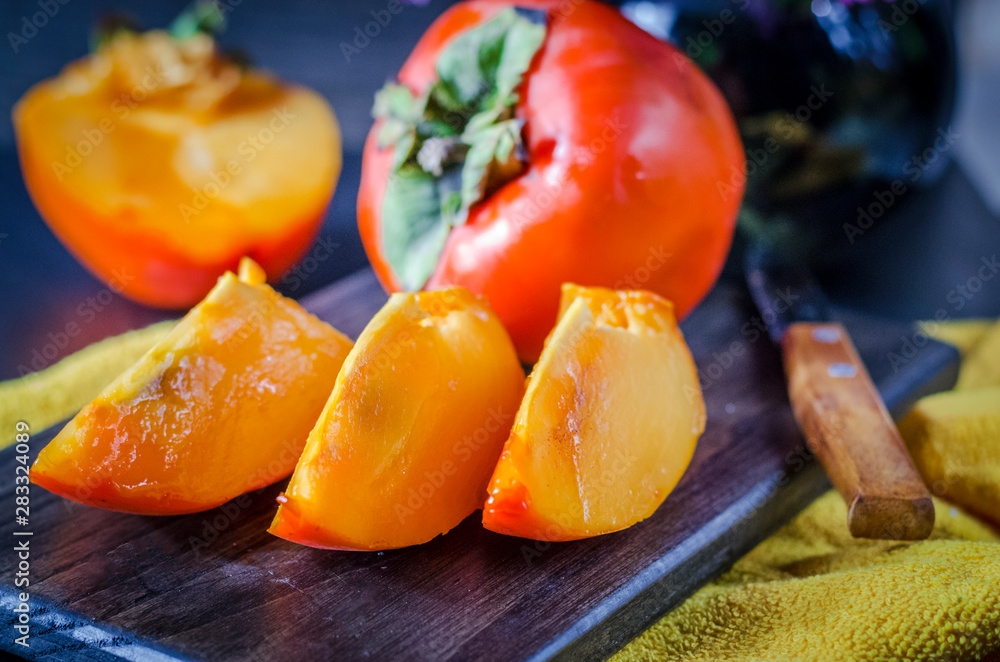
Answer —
217 586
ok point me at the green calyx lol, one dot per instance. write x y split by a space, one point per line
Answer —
457 143
201 16
207 16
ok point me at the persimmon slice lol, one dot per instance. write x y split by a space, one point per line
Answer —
412 430
223 405
608 424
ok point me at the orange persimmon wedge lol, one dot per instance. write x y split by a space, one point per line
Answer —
412 430
608 424
222 406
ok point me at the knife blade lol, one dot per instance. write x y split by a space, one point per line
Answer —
836 405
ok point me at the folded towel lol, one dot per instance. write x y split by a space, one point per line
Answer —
811 592
954 439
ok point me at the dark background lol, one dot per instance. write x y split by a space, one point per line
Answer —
904 269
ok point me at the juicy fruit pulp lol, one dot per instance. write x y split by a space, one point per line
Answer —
608 424
412 430
222 406
158 158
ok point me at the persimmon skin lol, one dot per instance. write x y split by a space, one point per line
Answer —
220 407
634 172
608 424
158 192
412 430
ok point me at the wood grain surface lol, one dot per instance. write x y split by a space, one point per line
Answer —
217 586
852 435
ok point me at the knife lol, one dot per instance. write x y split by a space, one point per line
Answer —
837 406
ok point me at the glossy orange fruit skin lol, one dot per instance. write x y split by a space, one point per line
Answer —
412 430
157 191
630 149
220 407
608 424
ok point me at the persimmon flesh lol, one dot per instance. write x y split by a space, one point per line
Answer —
159 163
412 430
222 406
608 424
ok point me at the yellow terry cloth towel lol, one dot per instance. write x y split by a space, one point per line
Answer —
810 592
954 439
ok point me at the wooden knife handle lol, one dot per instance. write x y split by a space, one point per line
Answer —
848 428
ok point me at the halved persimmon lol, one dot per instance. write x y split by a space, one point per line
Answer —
160 158
608 424
223 405
412 431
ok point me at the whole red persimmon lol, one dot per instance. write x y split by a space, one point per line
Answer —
526 145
